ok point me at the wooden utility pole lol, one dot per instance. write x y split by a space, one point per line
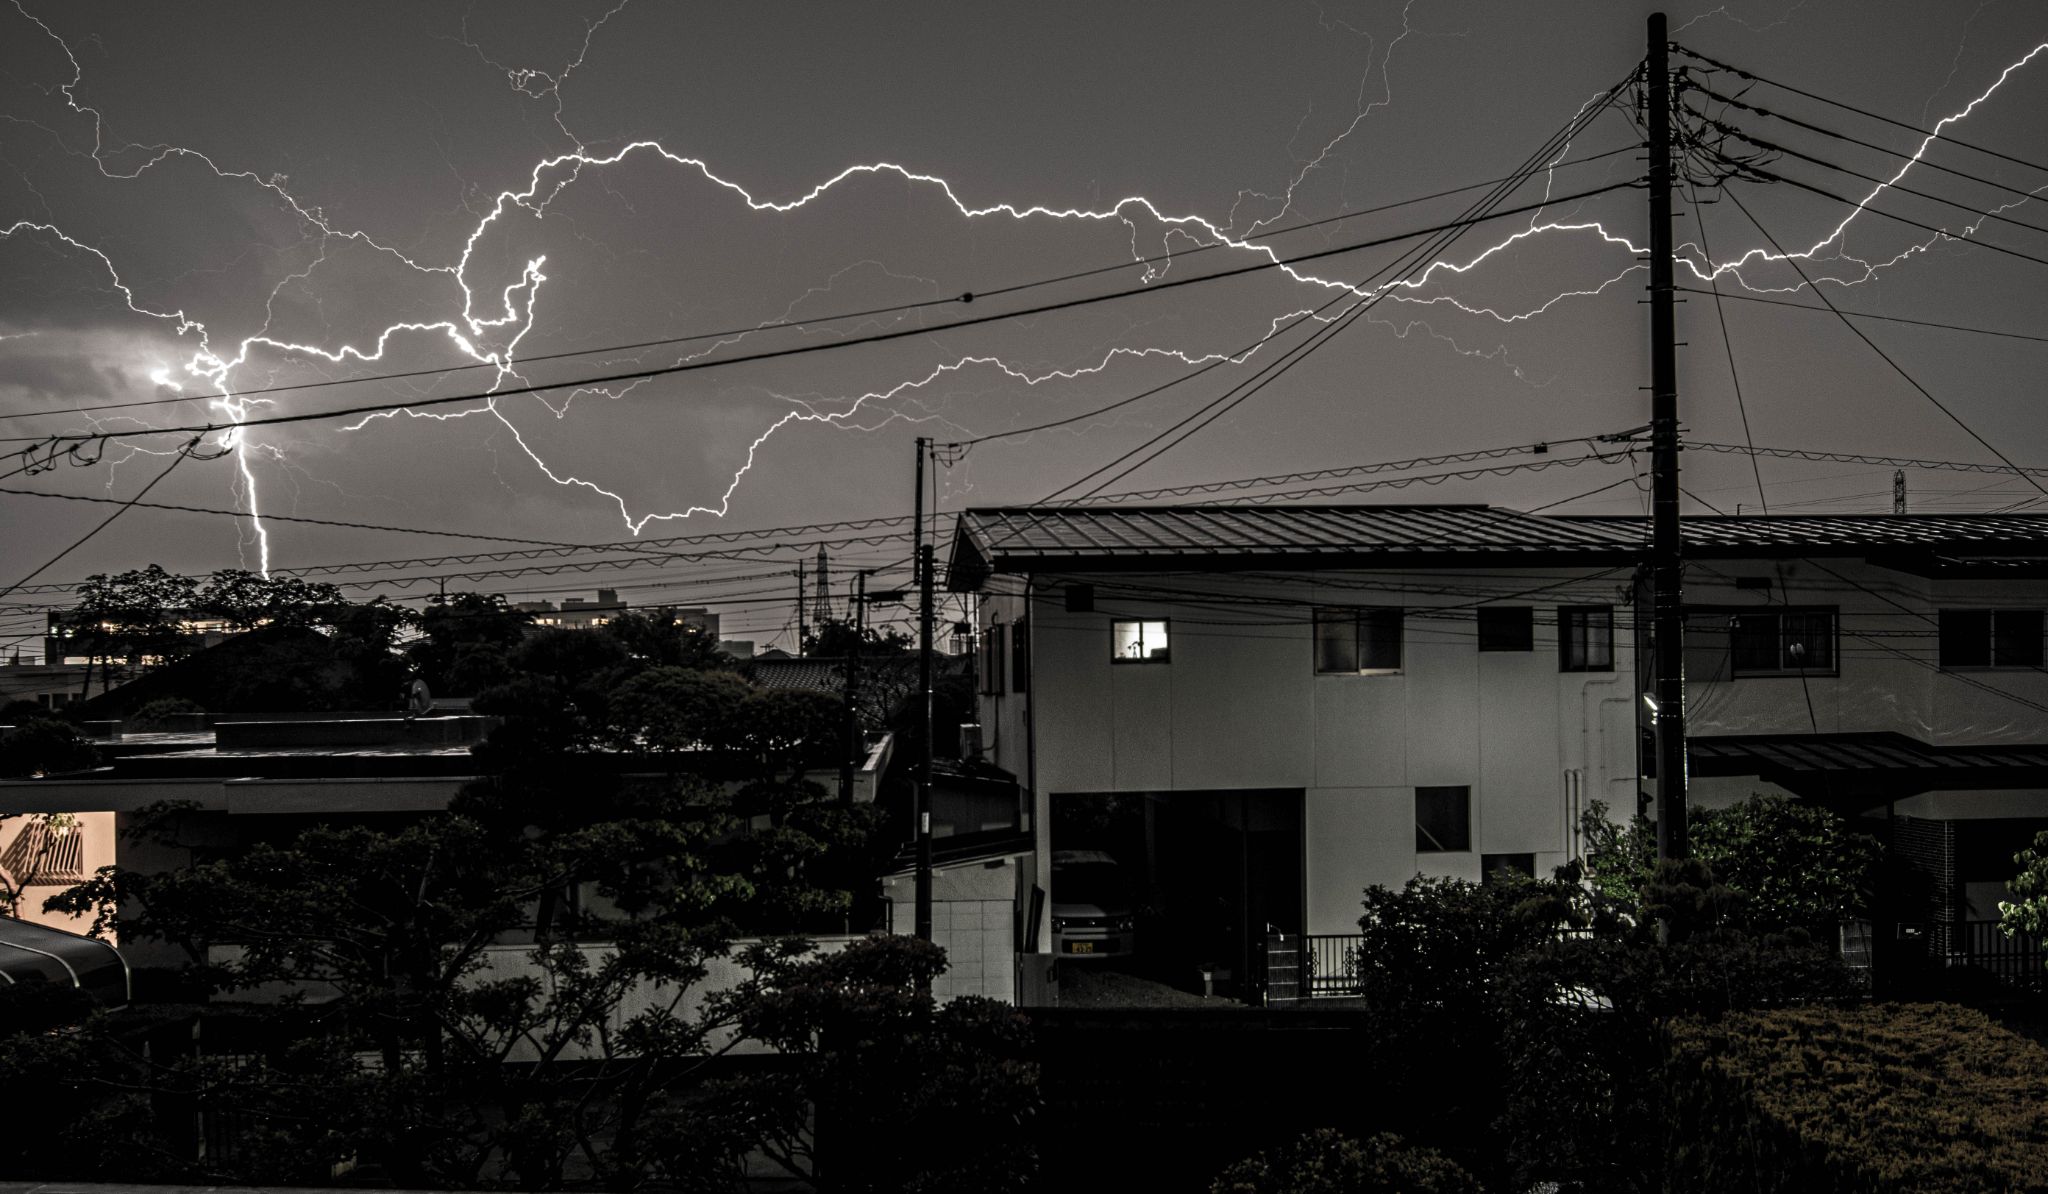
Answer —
858 617
923 812
1666 555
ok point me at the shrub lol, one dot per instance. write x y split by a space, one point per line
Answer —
1931 1098
1326 1161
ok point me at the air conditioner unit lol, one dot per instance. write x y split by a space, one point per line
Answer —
970 740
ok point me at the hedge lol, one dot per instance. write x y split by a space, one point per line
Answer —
1924 1097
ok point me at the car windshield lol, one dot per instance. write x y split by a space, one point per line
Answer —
1098 883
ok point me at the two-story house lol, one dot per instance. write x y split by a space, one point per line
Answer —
1261 710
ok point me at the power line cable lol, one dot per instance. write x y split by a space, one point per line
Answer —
176 459
825 346
778 325
1734 374
1740 73
1841 136
1251 386
1924 323
1882 354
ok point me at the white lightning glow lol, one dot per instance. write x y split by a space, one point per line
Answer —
508 316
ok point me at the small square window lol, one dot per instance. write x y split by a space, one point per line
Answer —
1585 638
1443 820
1506 868
1507 628
1139 642
1350 640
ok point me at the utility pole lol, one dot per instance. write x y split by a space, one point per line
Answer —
924 671
1898 491
858 616
1666 563
803 626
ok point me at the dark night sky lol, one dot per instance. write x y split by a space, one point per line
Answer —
176 160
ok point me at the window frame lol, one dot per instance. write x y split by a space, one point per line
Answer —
1566 643
1992 661
1736 671
1359 616
1166 628
1464 845
1020 655
994 646
1519 630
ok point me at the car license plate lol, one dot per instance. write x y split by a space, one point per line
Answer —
1080 947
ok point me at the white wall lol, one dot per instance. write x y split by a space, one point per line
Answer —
1241 706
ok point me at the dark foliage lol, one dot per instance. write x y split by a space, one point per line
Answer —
1326 1161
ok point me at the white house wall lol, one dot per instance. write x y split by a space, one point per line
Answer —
1889 679
1240 707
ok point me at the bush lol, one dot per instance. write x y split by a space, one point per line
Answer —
1328 1162
1931 1098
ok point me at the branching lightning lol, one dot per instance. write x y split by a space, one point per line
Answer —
487 328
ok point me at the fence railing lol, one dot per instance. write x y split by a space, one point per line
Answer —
2017 961
1329 964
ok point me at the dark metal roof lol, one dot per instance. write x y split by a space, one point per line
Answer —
1950 534
1158 538
1868 767
1025 539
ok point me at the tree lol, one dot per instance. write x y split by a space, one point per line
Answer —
245 600
1795 864
129 616
838 638
1326 1161
661 638
464 641
2028 913
887 1090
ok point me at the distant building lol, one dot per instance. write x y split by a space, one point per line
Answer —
576 613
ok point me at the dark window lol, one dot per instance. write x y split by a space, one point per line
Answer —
1443 820
1507 628
1505 868
1352 640
993 647
1585 638
1139 642
1990 638
1783 642
1020 656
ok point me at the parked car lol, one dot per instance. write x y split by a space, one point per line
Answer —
1091 906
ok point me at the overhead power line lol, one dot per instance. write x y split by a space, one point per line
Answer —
1740 73
1954 466
786 324
1924 323
1882 354
824 346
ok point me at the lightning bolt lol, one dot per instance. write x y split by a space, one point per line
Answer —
488 328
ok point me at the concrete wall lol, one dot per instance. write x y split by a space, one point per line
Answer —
1240 705
974 907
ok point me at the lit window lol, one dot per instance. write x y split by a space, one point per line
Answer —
1585 638
1139 642
1443 820
1991 638
1351 640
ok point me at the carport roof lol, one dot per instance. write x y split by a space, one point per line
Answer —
1871 767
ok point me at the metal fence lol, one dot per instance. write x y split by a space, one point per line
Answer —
1329 964
2016 961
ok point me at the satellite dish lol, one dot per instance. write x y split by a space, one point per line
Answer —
418 699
